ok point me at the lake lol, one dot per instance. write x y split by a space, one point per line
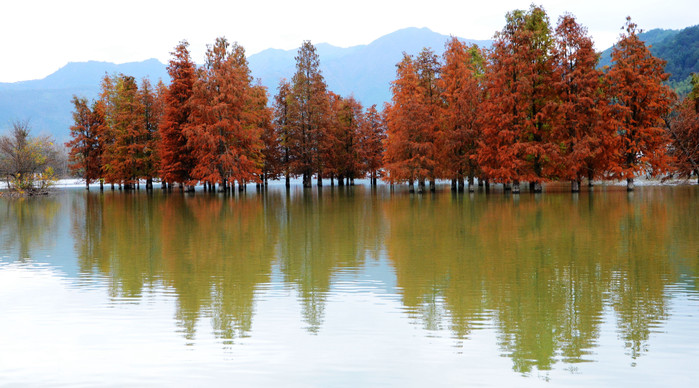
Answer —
351 287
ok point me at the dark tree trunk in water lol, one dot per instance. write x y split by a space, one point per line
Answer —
538 188
149 184
515 187
319 181
306 180
433 185
421 186
471 185
506 187
630 185
87 185
453 185
575 186
351 181
101 185
411 186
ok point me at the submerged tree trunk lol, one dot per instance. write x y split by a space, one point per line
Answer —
421 186
575 186
149 184
515 187
630 184
538 188
471 182
411 186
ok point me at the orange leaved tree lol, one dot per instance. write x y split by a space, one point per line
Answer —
516 142
462 95
176 158
580 128
409 154
639 101
85 152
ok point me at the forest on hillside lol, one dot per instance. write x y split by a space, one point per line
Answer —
534 108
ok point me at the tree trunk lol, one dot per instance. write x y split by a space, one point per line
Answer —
471 185
486 183
149 184
538 188
306 180
411 186
433 185
87 185
351 181
101 185
629 184
421 186
287 182
319 180
507 187
453 185
575 186
515 187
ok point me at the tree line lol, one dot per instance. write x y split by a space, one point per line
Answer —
534 108
213 125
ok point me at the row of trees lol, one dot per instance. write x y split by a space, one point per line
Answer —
212 125
535 108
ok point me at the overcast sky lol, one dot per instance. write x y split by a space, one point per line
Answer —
38 37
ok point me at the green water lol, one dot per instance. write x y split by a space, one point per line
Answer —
351 287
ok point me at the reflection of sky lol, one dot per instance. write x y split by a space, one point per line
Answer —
60 334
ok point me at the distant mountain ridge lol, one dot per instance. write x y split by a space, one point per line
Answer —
364 71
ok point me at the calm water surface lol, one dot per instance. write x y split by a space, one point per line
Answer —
351 287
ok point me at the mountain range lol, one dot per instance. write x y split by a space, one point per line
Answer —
364 71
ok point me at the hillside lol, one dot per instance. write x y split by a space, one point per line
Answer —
364 71
680 48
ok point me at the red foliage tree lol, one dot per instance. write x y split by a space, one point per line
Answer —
308 109
345 155
683 127
516 144
176 158
410 137
222 135
640 101
372 136
580 128
85 152
462 96
282 130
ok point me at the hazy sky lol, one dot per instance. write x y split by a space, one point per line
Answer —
38 37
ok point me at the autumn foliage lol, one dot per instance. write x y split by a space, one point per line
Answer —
534 108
